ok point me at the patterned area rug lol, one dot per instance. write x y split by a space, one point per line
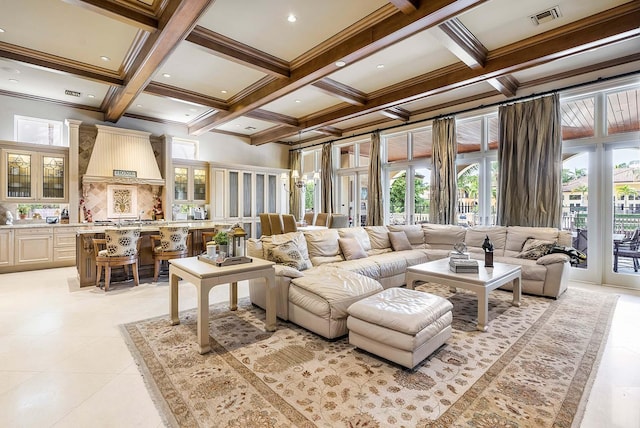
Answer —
531 369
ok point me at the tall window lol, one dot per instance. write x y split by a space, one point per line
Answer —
184 149
38 131
351 194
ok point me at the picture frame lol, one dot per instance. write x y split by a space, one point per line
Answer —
122 201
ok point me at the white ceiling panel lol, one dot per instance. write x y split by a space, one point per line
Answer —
166 108
72 32
362 121
264 25
584 59
410 58
302 102
497 22
449 96
23 78
208 74
246 125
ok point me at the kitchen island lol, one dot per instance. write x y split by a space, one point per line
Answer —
85 256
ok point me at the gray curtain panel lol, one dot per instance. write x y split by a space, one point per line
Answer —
530 162
327 178
295 197
443 174
375 216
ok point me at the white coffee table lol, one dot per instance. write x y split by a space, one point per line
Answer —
481 283
205 276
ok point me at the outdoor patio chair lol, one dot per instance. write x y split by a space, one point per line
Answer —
627 248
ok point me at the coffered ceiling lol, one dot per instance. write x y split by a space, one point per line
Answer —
241 67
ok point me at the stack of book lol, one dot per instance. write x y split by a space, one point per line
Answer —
457 255
463 266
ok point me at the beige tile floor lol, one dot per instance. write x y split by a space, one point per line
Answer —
63 362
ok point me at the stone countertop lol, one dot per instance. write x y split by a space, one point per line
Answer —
95 228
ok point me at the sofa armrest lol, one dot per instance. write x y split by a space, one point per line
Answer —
287 271
552 258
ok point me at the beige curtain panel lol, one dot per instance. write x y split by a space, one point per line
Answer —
375 210
295 198
443 173
530 162
327 179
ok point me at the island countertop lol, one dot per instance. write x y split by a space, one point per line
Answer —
154 226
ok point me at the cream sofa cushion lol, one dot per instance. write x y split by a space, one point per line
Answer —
414 233
379 236
323 246
351 248
475 237
442 236
356 232
518 235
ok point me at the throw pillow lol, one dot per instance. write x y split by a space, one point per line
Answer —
399 241
287 254
351 248
533 249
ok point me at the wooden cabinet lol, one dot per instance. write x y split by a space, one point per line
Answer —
64 245
6 247
33 245
191 182
33 173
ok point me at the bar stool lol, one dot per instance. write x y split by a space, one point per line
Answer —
172 243
122 248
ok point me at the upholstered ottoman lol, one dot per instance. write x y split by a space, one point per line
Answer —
318 301
403 326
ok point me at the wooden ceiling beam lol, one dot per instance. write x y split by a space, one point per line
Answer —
397 113
462 43
329 130
341 91
168 91
406 6
507 85
362 44
272 117
119 12
52 62
237 52
175 24
268 135
606 28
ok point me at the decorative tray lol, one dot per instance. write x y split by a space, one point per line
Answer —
228 261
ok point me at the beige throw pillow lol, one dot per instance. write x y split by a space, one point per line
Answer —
287 254
399 241
351 248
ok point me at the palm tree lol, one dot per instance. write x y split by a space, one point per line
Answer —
624 192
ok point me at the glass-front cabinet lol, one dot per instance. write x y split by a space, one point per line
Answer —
190 182
34 175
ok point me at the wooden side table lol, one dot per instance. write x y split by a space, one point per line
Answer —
205 276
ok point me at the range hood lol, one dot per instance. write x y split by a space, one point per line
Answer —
122 156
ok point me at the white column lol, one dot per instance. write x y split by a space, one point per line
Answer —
73 130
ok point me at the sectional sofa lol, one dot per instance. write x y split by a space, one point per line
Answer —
320 273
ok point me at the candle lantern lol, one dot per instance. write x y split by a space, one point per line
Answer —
238 241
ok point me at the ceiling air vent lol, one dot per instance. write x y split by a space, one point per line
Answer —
546 15
71 93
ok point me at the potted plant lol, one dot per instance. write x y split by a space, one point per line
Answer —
22 211
222 239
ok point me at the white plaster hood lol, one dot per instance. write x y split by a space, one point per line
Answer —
125 151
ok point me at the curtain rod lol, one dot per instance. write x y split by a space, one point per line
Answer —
480 107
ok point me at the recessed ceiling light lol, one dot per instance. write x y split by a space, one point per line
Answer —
91 96
1 30
105 58
238 126
380 66
187 114
292 18
167 75
340 64
298 101
223 91
138 105
193 109
13 80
